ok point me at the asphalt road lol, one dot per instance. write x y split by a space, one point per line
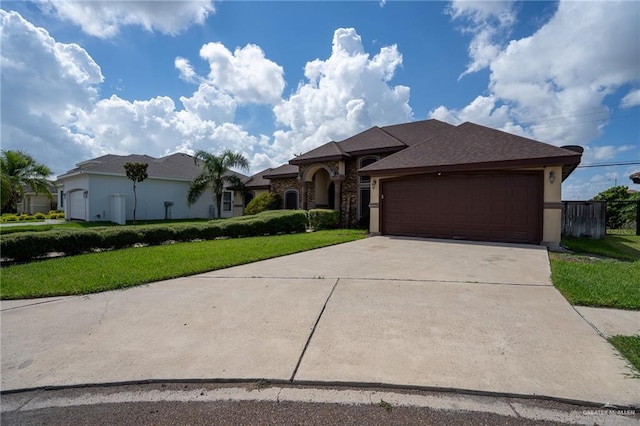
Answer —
266 404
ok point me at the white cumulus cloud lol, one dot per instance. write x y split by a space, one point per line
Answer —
246 74
344 94
550 86
104 18
36 100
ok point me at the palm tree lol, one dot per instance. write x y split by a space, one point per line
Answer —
215 173
20 171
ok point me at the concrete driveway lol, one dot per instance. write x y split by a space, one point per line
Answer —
401 311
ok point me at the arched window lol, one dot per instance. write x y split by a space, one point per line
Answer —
291 199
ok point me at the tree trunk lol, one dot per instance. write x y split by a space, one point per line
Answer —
135 203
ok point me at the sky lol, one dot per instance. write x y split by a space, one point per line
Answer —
80 79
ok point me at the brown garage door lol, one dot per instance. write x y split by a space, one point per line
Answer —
505 207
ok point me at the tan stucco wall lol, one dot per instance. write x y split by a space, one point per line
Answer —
374 205
552 213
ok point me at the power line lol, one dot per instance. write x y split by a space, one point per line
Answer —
621 163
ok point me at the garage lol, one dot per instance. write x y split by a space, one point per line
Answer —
77 205
483 206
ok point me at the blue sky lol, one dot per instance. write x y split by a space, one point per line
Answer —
272 79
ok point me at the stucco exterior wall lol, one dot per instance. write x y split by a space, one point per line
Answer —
374 205
552 215
152 193
32 203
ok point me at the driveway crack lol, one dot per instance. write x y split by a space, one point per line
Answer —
313 330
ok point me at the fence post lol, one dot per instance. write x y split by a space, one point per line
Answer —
638 218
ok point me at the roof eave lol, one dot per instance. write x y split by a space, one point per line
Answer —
565 161
299 161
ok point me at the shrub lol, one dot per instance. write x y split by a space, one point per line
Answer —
323 219
263 202
59 216
25 246
10 218
40 216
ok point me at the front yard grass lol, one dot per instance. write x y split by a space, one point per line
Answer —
629 346
602 273
95 272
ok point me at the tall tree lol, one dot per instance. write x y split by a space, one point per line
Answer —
21 171
137 172
215 173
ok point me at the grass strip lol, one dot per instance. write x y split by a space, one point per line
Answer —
95 272
629 347
589 281
622 247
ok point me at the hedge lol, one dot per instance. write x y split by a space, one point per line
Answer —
323 219
27 246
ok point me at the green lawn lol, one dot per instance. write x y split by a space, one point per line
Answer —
91 273
629 346
603 273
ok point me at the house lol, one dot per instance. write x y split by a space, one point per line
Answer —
635 178
432 179
99 190
33 202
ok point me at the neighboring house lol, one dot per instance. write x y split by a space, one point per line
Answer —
99 190
432 179
32 202
253 186
635 178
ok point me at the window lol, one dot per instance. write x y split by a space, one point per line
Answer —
61 199
227 201
364 162
291 199
364 189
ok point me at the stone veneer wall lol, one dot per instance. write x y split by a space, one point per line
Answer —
349 196
280 185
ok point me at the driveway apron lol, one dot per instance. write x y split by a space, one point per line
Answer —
384 310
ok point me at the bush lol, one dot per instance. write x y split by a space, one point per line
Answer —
10 218
40 216
263 202
58 216
323 219
26 246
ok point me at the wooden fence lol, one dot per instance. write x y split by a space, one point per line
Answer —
584 219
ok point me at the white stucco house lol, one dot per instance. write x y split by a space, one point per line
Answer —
99 190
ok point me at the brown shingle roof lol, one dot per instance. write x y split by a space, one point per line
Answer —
375 140
417 131
471 146
327 152
286 170
257 181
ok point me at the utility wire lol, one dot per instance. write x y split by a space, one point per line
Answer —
621 163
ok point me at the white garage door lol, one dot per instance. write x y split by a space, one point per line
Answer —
77 205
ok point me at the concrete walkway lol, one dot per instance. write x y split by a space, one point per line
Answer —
612 322
410 312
